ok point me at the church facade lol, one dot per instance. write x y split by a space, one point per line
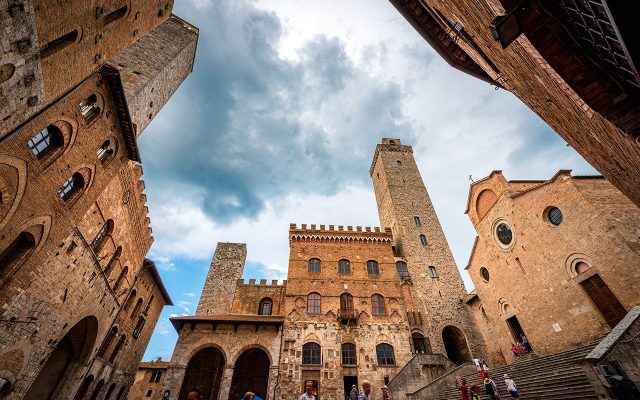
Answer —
358 304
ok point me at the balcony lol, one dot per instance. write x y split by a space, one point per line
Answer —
347 315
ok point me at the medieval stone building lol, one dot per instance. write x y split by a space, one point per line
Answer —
574 63
78 298
358 304
148 381
555 260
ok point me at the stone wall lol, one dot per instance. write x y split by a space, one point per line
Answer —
148 381
225 270
534 278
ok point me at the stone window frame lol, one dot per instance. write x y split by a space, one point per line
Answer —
433 271
314 265
75 185
423 240
264 302
548 219
62 133
91 108
404 270
107 151
373 268
348 355
494 234
314 304
482 275
385 355
344 266
311 353
572 261
377 304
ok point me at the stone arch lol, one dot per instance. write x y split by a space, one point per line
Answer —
31 238
484 201
13 173
311 337
504 308
263 348
250 373
455 345
65 361
573 260
204 369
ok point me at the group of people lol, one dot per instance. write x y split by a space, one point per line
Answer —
521 347
490 388
365 393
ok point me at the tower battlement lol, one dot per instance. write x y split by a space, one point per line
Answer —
263 283
334 233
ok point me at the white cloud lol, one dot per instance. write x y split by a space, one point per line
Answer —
162 262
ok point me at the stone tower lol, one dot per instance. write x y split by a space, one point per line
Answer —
405 207
225 270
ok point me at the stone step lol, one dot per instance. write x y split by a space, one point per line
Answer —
582 391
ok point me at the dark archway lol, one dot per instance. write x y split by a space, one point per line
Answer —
251 373
456 345
205 371
65 361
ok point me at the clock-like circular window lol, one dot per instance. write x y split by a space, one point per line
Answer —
484 273
505 236
554 215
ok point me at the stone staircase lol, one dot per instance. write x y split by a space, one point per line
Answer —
554 377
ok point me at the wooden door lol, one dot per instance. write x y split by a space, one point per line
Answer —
604 299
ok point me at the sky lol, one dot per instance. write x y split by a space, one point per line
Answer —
278 124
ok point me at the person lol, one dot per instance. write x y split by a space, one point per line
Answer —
308 391
514 350
475 392
526 343
195 394
249 396
484 364
511 387
386 394
366 391
476 361
491 389
353 395
461 385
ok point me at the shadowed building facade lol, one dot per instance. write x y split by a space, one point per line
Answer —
358 303
79 299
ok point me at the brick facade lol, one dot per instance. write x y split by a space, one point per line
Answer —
78 298
539 277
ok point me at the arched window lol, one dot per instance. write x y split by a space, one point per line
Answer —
433 272
313 303
110 392
132 297
137 308
401 268
314 265
139 327
377 305
58 44
106 151
97 390
344 267
121 278
384 353
346 305
46 141
423 240
103 234
115 257
120 395
16 252
84 388
119 345
265 306
416 220
581 267
311 354
90 109
148 306
72 186
107 341
115 15
349 354
372 267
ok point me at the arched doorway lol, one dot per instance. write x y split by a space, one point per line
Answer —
70 353
456 345
205 371
251 373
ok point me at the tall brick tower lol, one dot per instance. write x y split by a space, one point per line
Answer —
225 270
405 207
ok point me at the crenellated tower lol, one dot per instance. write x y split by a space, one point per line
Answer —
220 286
405 207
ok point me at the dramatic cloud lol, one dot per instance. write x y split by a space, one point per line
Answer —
279 121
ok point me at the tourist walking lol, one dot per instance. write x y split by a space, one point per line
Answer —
514 350
526 343
475 392
195 394
511 387
476 361
353 395
386 394
491 389
308 392
366 391
461 385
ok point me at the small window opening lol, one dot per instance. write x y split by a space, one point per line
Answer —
115 15
372 267
73 185
433 272
149 392
401 268
344 267
423 240
105 151
398 162
17 251
417 221
58 44
265 306
45 141
89 109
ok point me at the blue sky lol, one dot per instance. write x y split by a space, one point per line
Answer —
279 121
